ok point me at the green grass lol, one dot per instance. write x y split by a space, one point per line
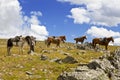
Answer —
14 67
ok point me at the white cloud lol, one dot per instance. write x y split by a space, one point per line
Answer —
13 22
10 16
34 20
103 32
117 41
79 15
39 31
100 12
36 13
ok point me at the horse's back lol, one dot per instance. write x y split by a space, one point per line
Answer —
96 39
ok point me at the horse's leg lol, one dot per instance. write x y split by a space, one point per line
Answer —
81 42
48 44
93 44
21 49
105 47
58 45
76 42
32 48
8 51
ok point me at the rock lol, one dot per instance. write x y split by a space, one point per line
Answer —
106 67
94 65
85 75
68 54
81 69
45 51
81 46
69 59
81 52
43 57
58 60
29 73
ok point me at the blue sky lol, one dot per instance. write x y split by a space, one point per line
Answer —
55 17
73 18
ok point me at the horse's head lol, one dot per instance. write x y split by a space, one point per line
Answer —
17 38
74 38
64 37
85 37
111 39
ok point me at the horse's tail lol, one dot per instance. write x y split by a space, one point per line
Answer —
9 43
46 42
75 38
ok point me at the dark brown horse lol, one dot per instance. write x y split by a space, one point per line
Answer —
19 41
80 39
53 40
105 41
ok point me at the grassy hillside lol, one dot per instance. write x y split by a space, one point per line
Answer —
31 67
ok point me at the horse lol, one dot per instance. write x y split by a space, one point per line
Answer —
19 41
105 41
53 40
62 38
80 39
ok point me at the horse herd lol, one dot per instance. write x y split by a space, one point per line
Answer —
19 41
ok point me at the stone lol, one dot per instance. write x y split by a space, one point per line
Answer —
69 59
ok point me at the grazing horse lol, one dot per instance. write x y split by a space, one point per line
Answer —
19 41
53 40
105 41
80 39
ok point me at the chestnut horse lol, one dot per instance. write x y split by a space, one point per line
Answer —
53 40
62 38
80 39
19 41
100 41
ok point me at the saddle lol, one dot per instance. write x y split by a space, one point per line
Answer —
103 39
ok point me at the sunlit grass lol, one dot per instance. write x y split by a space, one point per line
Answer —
14 67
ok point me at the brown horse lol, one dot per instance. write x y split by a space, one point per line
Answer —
62 38
19 41
105 41
53 40
80 39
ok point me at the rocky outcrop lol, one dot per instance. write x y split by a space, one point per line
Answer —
85 46
106 67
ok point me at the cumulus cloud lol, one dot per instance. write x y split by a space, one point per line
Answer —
99 12
79 15
10 16
117 41
13 22
103 32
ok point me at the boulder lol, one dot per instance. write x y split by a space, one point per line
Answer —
90 74
69 59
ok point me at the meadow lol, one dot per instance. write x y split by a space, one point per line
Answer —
31 67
